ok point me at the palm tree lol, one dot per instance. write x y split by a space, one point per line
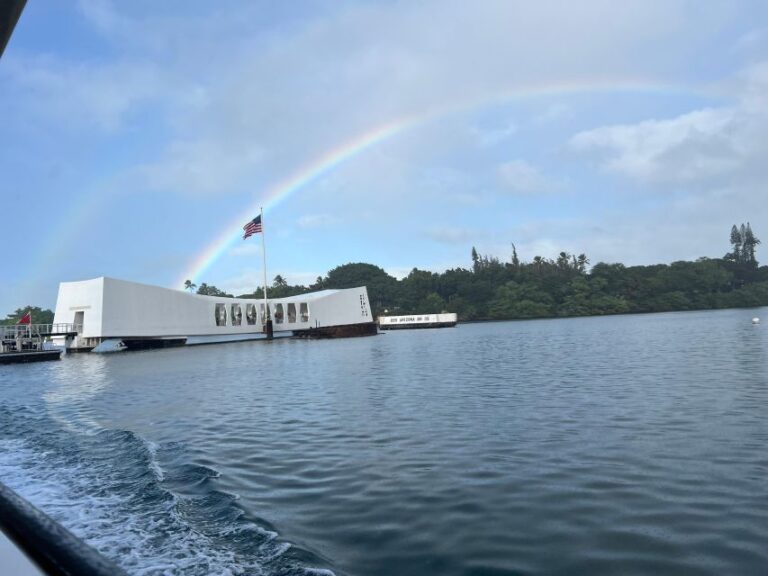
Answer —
189 285
279 282
581 263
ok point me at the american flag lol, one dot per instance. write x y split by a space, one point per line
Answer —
253 227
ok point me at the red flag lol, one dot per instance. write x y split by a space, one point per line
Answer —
26 319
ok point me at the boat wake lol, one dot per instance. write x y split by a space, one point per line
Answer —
110 489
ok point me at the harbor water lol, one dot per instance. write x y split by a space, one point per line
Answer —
611 445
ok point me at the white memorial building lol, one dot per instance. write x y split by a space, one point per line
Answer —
133 315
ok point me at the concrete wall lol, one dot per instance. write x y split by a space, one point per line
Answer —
337 308
117 308
85 297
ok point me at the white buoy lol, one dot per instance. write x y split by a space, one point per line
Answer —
755 320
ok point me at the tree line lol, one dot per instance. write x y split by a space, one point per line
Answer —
39 316
491 289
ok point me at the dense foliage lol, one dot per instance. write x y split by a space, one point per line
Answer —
206 290
495 290
39 316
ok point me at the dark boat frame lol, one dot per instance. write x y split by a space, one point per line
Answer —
53 548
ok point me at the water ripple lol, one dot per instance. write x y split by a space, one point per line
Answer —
631 445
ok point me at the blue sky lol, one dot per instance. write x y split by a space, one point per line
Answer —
134 133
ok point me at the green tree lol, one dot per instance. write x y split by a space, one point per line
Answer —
279 282
475 260
189 285
554 287
211 290
431 304
581 263
414 288
515 260
39 315
736 240
318 285
750 241
382 288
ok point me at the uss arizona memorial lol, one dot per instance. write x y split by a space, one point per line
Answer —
132 315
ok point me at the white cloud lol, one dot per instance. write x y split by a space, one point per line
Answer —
522 177
202 167
301 278
467 198
323 80
693 146
552 113
246 249
77 95
753 42
401 272
250 280
710 147
488 137
244 283
398 272
102 15
231 98
452 234
753 96
316 221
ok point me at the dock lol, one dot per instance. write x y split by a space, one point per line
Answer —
22 343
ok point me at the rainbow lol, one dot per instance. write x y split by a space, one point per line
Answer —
284 189
333 158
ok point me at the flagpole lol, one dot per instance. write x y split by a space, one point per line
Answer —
268 323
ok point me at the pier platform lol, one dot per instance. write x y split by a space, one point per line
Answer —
29 356
23 343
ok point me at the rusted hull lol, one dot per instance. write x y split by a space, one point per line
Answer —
344 331
30 356
417 326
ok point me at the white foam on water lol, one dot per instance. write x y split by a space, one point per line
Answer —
266 535
154 464
154 540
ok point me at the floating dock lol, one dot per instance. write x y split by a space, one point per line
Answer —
30 356
22 343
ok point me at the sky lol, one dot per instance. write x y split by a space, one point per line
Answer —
136 138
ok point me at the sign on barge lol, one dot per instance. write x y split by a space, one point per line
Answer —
445 320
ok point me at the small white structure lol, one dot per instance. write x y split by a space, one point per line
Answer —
144 316
445 320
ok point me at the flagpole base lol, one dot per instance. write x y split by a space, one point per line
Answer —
270 332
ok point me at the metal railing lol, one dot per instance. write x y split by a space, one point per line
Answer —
14 331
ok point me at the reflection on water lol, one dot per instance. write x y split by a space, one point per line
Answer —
77 382
632 444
